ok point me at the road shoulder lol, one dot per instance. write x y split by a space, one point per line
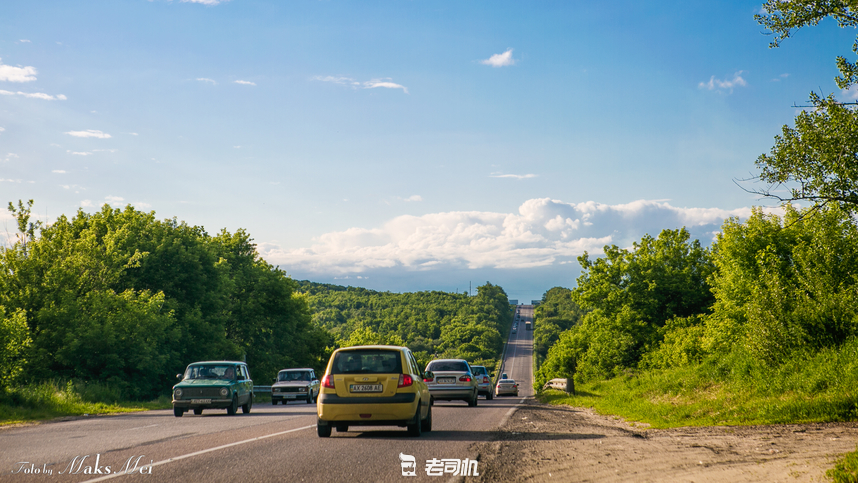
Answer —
541 442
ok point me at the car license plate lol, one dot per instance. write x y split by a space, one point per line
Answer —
201 401
366 388
446 380
290 396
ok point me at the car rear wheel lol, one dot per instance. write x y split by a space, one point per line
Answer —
310 398
323 429
427 423
473 402
178 412
342 428
489 396
233 408
415 427
198 411
246 407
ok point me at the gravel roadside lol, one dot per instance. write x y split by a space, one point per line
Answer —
540 442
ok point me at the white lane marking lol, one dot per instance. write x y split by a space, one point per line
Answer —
141 427
197 453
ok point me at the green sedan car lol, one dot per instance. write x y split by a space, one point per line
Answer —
213 385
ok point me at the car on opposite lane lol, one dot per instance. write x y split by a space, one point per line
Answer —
376 385
295 384
213 385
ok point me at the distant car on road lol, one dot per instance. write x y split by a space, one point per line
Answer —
484 381
213 385
453 381
295 384
507 387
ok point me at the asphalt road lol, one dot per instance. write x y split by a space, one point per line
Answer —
273 443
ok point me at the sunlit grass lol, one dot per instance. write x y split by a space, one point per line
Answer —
54 399
821 387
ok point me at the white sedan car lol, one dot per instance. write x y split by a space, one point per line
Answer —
506 387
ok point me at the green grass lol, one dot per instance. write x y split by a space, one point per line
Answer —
846 469
818 387
37 402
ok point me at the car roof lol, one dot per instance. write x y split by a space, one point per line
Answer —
449 360
297 369
215 362
375 346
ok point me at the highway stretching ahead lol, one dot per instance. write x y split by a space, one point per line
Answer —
273 443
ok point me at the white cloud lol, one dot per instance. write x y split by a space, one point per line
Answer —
141 205
133 134
500 60
543 232
383 83
370 84
2 129
205 79
209 3
719 85
412 198
35 95
10 156
78 153
59 171
244 82
10 180
10 73
86 204
89 133
24 41
114 201
105 150
516 176
336 80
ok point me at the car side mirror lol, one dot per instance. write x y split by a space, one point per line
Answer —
428 375
178 376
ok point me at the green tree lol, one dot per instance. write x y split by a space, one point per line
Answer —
817 160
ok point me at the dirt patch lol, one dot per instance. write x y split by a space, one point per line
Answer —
541 442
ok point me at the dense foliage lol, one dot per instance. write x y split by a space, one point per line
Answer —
122 298
771 291
432 324
555 313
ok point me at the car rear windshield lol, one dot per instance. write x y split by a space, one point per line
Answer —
454 366
367 361
479 370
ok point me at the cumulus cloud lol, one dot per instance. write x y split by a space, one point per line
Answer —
544 232
723 85
205 79
413 198
89 133
386 82
500 60
11 73
244 82
34 95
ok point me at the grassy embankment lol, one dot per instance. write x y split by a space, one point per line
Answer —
55 399
819 387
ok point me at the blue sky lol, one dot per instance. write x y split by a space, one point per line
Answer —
402 145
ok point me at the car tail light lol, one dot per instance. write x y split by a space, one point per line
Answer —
328 381
405 380
486 379
428 379
465 378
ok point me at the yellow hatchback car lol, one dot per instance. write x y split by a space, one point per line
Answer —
374 385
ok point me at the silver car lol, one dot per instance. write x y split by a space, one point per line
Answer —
484 381
451 380
295 384
507 387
